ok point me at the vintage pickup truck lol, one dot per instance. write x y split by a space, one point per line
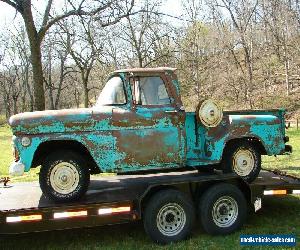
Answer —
139 123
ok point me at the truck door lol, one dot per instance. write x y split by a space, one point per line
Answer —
154 136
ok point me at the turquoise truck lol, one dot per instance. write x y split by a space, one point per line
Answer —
139 124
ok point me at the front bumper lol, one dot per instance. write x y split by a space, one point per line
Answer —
17 169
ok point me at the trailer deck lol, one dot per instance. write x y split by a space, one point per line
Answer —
113 199
101 190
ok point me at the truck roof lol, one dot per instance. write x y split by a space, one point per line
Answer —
141 70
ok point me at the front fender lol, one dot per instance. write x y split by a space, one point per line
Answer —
27 153
100 144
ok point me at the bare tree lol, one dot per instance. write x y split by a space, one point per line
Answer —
56 67
144 33
36 35
84 44
20 44
241 14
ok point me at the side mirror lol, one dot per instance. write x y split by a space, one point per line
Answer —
182 108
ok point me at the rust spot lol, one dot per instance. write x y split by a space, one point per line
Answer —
144 150
249 116
130 119
78 124
241 129
219 131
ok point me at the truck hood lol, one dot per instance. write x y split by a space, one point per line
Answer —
59 121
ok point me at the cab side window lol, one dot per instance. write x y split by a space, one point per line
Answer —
151 91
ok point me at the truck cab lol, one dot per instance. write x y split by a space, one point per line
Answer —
139 124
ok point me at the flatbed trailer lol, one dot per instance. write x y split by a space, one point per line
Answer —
168 203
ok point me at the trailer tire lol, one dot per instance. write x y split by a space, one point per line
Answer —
64 176
243 159
169 216
222 209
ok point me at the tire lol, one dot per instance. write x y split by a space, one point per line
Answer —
222 209
169 216
243 159
68 165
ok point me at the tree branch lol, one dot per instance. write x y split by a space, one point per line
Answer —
12 4
76 12
47 13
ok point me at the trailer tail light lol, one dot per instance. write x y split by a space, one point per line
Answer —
275 192
69 214
296 191
113 210
32 217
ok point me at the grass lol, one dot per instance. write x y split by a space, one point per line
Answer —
5 149
279 215
287 163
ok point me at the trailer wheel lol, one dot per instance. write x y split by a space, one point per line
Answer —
243 159
169 216
222 209
64 176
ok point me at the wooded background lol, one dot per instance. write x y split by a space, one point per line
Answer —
244 54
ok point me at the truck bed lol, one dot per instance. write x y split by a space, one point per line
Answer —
205 145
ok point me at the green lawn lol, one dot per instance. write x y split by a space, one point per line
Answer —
287 163
279 215
5 149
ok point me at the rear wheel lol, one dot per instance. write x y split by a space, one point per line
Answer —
222 209
64 176
169 216
243 159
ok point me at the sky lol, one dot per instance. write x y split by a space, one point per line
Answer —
8 16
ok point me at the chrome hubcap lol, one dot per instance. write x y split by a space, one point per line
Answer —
225 211
171 219
243 162
64 178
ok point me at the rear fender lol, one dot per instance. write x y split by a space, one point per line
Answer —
265 129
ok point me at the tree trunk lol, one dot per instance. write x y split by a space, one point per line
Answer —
76 97
29 92
287 78
50 84
7 106
15 105
38 80
85 93
61 80
140 60
36 58
51 98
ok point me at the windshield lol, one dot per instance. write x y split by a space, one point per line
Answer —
112 93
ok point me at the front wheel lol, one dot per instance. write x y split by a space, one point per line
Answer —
64 176
243 159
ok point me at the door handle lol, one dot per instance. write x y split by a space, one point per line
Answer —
171 111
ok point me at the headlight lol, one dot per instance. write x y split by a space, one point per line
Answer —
25 141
